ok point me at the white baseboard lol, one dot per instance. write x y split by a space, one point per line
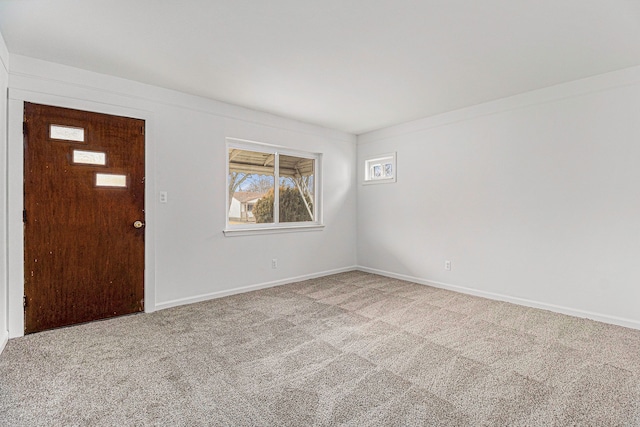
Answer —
614 320
4 338
220 294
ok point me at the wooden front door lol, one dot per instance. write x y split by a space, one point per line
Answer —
83 217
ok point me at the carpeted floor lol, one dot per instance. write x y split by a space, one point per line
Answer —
353 349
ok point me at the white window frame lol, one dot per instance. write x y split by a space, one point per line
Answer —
380 159
276 227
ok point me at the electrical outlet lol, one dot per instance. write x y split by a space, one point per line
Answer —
447 265
163 197
274 263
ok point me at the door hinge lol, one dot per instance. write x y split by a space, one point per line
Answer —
142 130
24 216
24 300
25 128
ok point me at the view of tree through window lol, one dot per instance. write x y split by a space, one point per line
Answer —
252 194
296 184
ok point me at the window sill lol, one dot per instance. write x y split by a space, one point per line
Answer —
379 181
234 232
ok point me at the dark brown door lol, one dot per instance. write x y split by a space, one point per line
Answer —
84 216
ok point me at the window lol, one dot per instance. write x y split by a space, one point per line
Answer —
271 188
380 169
66 133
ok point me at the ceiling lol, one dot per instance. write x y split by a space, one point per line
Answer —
352 65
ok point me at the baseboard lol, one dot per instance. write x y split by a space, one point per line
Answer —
220 294
4 339
614 320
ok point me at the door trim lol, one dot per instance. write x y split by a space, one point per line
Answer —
15 194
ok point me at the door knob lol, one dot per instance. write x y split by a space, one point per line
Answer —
138 224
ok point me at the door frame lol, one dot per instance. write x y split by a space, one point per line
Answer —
15 194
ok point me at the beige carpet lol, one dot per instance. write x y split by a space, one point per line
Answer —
352 349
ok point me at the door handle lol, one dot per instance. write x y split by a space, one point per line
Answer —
138 224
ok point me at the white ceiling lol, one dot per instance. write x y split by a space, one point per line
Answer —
353 65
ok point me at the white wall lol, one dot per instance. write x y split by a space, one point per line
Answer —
235 208
535 199
4 82
188 256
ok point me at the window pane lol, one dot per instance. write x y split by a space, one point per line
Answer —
89 157
250 186
296 189
66 133
381 169
110 180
